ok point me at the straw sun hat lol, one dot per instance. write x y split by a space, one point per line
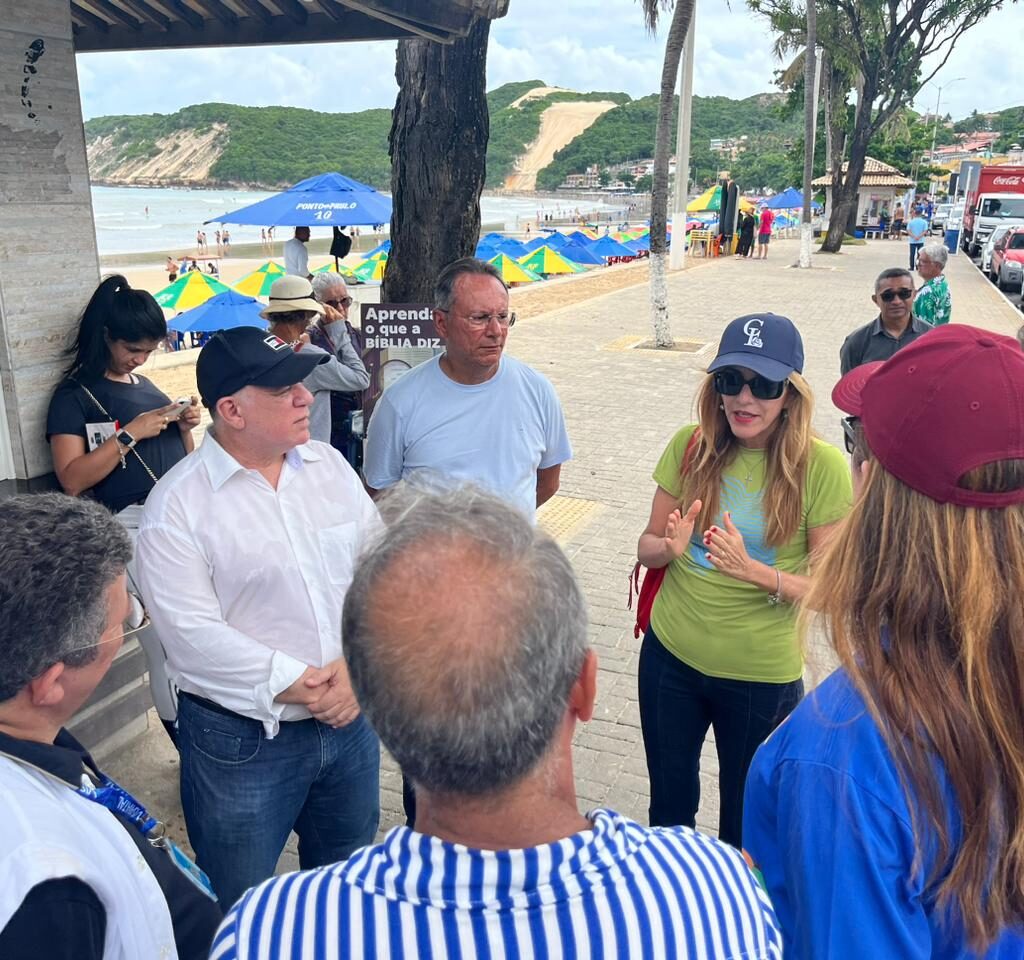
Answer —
291 293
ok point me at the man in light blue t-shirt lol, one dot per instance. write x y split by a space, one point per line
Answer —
917 231
471 415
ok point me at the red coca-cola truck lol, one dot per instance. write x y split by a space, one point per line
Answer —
997 198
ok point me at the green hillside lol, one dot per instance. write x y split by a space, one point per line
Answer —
627 132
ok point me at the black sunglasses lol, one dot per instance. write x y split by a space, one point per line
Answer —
850 426
730 382
903 293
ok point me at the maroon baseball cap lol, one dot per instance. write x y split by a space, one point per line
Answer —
951 401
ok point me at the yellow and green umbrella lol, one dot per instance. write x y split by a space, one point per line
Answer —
377 255
189 290
331 268
512 272
371 270
259 282
544 260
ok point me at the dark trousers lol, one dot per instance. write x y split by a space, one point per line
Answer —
242 794
915 249
677 705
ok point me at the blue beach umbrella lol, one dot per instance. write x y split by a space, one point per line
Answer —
226 310
536 243
609 247
578 253
639 244
485 251
556 240
789 199
384 247
327 200
511 247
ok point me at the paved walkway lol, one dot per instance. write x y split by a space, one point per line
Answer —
622 406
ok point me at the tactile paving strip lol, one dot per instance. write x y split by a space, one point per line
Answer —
623 343
562 517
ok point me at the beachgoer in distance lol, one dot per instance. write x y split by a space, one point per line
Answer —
296 256
933 303
894 327
887 813
765 495
172 269
112 433
747 224
501 864
764 233
246 550
898 220
82 876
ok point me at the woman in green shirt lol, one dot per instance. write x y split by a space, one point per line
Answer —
735 525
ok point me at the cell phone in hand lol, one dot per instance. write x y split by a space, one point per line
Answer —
180 406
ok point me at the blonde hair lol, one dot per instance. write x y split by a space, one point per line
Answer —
786 457
924 603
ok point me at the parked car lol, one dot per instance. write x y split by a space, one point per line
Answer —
940 215
986 251
1008 260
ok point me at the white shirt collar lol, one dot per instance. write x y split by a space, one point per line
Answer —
221 466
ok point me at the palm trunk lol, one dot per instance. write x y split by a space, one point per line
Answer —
440 115
681 17
810 111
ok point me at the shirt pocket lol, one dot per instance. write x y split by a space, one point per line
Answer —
339 546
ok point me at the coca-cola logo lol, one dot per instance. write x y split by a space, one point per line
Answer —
1006 181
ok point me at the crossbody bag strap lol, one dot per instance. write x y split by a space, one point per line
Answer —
92 397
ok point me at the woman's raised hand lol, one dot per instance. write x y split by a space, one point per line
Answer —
679 529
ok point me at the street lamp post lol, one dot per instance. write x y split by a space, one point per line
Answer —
935 127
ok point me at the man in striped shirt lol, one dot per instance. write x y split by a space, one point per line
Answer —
466 641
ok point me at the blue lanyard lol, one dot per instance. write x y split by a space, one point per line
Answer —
118 800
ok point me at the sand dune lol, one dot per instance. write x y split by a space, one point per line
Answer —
559 124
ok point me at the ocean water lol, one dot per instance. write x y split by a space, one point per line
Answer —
144 219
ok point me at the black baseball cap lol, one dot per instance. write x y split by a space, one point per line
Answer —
766 343
248 356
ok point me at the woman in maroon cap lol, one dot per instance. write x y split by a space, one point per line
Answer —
744 498
887 813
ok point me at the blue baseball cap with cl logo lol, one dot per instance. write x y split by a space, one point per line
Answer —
763 342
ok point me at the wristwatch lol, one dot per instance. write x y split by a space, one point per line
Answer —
126 440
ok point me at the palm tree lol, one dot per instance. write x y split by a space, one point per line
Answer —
810 111
677 31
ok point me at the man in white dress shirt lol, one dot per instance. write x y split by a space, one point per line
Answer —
246 550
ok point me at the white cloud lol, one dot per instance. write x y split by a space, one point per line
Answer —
578 44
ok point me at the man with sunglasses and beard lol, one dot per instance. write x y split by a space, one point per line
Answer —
894 327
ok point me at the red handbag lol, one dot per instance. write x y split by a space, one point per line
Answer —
647 589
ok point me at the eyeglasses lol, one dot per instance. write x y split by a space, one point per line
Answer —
730 382
342 304
903 293
481 320
136 621
851 425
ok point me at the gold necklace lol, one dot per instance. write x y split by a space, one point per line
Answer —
745 465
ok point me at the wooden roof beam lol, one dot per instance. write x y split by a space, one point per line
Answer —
217 10
142 9
193 19
372 10
330 8
89 19
115 13
293 9
256 9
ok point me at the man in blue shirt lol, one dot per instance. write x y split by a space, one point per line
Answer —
472 415
917 231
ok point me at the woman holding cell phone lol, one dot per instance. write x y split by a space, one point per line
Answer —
745 497
112 432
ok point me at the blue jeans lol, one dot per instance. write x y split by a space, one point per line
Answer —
242 794
677 705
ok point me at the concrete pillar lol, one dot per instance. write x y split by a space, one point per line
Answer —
48 260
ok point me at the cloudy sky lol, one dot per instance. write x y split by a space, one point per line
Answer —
563 42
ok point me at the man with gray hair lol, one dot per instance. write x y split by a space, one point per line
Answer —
85 871
933 304
502 863
894 327
335 334
471 415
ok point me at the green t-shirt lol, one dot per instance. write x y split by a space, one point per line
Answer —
721 626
